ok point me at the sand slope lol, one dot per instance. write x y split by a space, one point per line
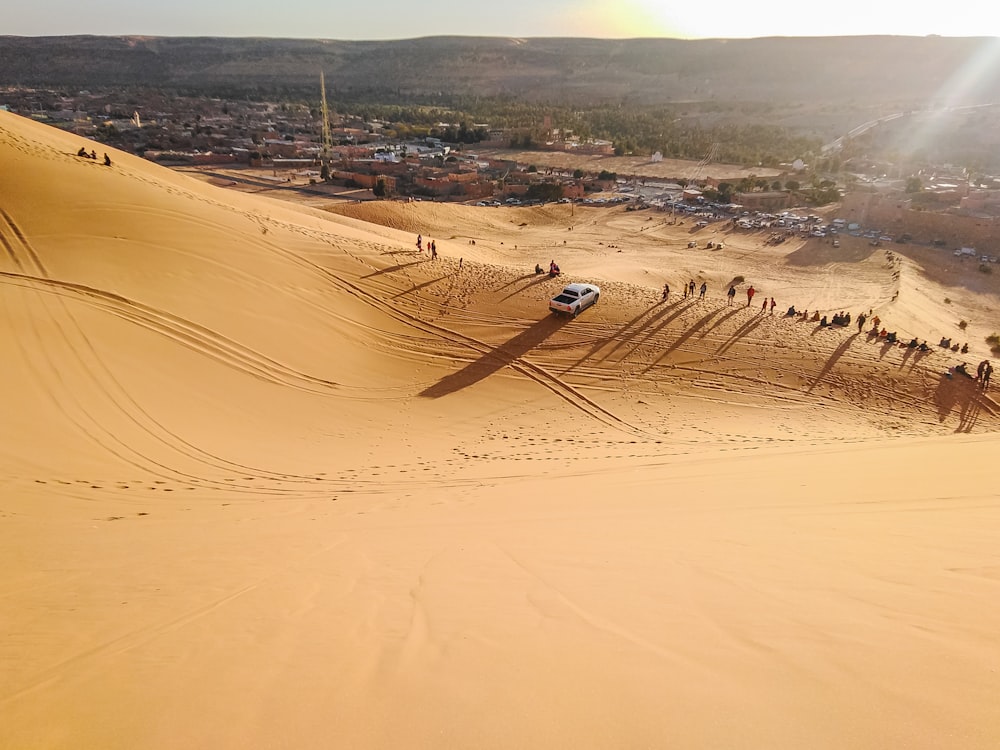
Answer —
270 477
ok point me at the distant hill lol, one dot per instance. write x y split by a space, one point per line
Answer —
813 72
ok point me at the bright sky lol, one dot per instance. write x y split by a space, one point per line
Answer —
394 19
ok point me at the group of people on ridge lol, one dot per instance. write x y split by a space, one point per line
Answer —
93 155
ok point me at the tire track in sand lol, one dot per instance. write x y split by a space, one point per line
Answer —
91 426
536 373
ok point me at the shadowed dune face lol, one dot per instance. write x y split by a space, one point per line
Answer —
268 470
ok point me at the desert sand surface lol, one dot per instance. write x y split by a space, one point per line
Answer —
662 169
270 477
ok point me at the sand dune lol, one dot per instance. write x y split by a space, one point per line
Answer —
273 478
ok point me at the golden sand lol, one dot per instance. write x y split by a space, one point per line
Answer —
272 478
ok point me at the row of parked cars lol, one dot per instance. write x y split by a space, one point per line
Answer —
970 252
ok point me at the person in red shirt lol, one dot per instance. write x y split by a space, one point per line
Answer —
750 293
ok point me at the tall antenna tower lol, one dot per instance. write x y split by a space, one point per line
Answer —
327 137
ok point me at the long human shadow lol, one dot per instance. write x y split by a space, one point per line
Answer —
519 278
962 393
391 269
418 287
740 332
698 324
497 358
650 332
617 335
918 356
907 353
886 347
720 321
837 354
541 278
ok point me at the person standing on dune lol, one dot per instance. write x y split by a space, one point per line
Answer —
750 293
731 294
704 288
691 288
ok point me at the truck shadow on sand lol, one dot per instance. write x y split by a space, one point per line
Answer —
832 360
503 355
536 280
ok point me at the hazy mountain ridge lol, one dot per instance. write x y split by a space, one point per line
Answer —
858 70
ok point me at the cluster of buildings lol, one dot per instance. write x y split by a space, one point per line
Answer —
289 140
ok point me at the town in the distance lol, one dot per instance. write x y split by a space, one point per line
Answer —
340 156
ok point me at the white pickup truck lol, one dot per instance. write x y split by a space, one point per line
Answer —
574 298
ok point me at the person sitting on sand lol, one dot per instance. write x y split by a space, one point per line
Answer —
538 268
791 312
923 347
965 348
815 316
946 343
961 370
93 155
912 344
83 152
107 160
823 323
883 333
891 338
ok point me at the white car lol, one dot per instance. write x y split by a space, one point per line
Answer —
574 298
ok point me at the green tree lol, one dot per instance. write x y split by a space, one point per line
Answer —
380 190
914 185
578 174
546 191
792 185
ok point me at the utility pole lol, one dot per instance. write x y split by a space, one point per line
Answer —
327 147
